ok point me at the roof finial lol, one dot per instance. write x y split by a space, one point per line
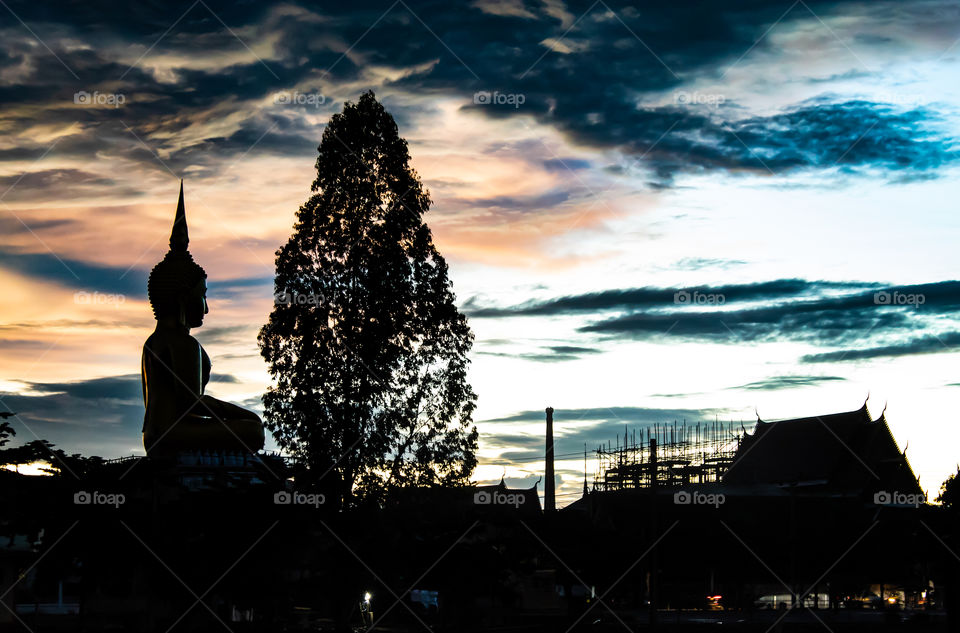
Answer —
585 489
179 238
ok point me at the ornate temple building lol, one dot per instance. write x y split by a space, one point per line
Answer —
833 454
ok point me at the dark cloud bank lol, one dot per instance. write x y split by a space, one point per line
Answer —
862 320
602 88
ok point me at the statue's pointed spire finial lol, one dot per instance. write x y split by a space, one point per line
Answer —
179 239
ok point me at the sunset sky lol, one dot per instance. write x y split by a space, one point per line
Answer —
651 212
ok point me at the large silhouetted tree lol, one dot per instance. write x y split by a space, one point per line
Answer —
366 347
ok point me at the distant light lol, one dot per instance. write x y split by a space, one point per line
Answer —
33 469
367 596
892 600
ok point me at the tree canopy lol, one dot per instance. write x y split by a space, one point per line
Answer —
949 492
365 344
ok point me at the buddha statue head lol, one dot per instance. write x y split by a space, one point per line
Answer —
177 286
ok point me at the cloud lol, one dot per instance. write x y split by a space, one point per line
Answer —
849 136
652 297
788 382
573 349
513 8
549 354
595 73
927 344
587 89
126 387
225 378
700 263
564 165
38 345
520 203
239 287
562 353
76 274
816 321
817 312
219 335
821 320
65 323
70 184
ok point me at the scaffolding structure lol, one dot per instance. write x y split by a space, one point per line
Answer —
670 456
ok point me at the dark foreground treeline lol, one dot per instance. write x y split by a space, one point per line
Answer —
154 549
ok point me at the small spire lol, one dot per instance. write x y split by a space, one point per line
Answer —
179 238
585 489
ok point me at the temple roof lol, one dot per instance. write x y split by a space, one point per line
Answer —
841 452
527 499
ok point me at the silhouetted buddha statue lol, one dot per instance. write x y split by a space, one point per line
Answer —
175 368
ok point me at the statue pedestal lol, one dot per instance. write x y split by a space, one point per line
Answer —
217 470
200 471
